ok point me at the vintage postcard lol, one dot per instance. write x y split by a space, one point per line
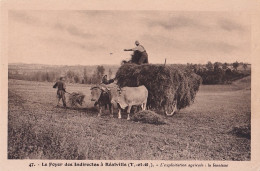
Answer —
134 85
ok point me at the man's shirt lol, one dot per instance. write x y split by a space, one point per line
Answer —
60 84
139 48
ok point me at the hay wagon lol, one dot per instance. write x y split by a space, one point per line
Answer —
169 88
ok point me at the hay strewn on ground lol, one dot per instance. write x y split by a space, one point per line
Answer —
165 84
148 116
242 131
76 98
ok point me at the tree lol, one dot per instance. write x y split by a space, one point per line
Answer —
216 66
70 74
47 77
85 77
209 66
195 68
245 66
76 79
225 66
98 74
235 65
100 71
109 73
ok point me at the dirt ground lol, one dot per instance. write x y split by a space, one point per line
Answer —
216 127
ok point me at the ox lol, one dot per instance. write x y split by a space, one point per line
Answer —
128 97
102 97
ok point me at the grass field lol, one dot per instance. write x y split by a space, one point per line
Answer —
215 127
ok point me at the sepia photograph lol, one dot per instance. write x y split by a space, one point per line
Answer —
89 85
189 72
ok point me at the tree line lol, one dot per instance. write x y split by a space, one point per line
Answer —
211 73
70 76
220 73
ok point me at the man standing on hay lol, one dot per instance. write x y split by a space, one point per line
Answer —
61 91
139 53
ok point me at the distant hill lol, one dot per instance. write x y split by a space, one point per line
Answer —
243 83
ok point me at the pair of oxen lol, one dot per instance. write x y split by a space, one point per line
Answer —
122 97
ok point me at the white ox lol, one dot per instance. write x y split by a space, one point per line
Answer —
128 97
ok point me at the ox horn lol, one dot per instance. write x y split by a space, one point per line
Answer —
173 111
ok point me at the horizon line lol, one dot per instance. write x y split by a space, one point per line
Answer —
22 63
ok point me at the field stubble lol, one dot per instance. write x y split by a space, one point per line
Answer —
37 129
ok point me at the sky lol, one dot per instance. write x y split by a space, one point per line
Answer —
93 37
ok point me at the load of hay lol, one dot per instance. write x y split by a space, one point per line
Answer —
147 116
76 98
166 84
